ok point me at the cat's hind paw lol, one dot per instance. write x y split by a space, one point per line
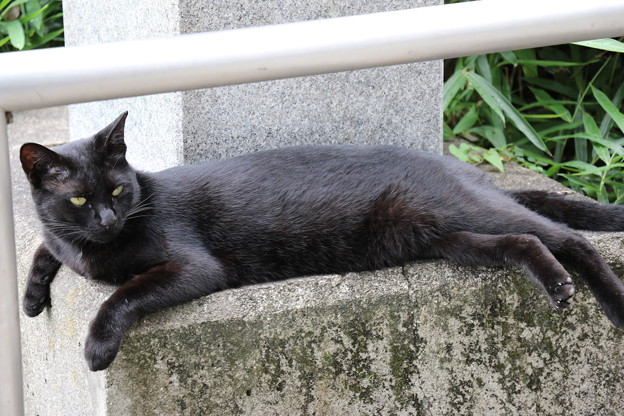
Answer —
562 293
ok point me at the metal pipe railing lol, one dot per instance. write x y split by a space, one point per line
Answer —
114 70
43 78
10 355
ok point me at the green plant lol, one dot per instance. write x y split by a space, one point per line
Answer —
555 110
30 24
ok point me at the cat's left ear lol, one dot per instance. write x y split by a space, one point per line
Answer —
110 140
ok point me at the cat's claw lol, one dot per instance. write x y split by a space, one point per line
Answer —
562 293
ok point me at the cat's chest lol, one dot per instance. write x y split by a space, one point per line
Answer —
113 264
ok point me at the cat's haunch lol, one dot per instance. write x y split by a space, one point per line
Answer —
172 236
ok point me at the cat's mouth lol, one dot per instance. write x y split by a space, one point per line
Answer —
104 236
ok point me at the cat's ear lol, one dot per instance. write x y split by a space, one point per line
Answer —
110 140
40 163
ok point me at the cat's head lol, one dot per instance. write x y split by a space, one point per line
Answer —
83 190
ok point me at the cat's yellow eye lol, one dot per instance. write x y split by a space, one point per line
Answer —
117 191
78 200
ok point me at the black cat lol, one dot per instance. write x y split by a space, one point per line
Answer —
186 232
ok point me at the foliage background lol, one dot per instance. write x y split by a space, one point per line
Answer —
556 110
30 24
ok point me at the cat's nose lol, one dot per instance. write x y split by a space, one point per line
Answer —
107 218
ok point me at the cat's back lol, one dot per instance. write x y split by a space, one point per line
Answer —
316 183
322 166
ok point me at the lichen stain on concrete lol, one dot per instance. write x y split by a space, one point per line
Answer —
496 347
509 345
307 360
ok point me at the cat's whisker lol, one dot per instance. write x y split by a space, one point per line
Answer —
140 207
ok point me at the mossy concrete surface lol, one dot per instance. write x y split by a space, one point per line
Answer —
431 338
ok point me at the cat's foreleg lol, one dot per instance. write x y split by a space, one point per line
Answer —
42 272
522 250
160 287
581 215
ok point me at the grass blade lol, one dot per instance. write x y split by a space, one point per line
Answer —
609 107
611 45
467 121
452 85
551 104
500 104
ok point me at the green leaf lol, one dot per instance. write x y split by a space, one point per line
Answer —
603 195
538 62
45 39
554 86
447 132
590 126
611 45
494 159
550 103
510 57
487 92
583 167
467 121
581 182
609 144
34 16
460 153
542 116
560 127
589 169
483 67
527 55
499 104
494 135
608 106
607 121
452 85
16 34
581 152
602 153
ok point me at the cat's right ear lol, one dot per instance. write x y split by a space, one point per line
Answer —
40 163
110 140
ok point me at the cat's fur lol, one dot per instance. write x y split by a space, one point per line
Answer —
189 231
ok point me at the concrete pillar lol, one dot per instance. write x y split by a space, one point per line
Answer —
392 105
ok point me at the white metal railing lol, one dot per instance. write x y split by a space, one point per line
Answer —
43 78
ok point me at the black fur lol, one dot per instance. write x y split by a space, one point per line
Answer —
189 231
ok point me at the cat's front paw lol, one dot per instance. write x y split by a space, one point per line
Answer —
100 353
36 298
562 293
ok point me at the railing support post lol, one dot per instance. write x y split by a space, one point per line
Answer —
11 389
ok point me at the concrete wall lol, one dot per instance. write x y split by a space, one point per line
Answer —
431 338
392 105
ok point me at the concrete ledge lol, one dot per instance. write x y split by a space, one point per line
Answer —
428 339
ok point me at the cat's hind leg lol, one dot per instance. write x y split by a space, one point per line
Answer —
581 215
525 251
576 253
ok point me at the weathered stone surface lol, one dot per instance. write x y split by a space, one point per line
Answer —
392 105
431 338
